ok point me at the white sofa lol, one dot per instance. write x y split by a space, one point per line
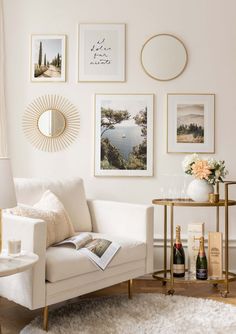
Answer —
62 273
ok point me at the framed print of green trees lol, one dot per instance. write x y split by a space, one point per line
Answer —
48 61
124 135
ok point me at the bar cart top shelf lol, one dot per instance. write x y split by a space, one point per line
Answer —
189 202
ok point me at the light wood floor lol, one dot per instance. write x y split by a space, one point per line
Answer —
14 317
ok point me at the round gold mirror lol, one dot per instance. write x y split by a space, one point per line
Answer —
51 123
164 57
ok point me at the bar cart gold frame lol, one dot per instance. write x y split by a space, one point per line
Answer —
167 275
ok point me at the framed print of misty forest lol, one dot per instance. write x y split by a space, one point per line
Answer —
190 123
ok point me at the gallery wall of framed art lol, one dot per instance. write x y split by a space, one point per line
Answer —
124 122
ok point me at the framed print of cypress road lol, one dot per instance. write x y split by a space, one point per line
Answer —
48 53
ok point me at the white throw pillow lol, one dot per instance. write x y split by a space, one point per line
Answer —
52 211
70 192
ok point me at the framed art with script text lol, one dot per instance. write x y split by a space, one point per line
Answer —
101 52
124 135
190 123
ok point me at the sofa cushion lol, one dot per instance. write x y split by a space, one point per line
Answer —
52 211
69 191
51 218
65 262
63 227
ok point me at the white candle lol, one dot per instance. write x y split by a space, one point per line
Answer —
14 247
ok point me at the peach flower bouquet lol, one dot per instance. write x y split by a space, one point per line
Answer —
211 170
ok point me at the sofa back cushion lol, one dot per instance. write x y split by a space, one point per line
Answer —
69 191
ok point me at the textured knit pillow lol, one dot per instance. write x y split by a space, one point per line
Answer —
52 211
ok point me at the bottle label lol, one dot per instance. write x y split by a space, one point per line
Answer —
201 273
202 253
178 268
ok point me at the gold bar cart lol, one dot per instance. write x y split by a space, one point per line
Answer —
166 275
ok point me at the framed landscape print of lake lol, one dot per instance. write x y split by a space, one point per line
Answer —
48 61
190 123
101 52
124 135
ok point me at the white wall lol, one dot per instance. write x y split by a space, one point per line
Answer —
208 29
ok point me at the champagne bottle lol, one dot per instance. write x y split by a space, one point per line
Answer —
201 263
178 256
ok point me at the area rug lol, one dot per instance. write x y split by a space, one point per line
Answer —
144 314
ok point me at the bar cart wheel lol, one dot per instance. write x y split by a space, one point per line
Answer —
171 292
224 294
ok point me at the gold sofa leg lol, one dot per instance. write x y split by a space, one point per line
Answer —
45 318
130 289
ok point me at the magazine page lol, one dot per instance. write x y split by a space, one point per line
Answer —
78 241
100 251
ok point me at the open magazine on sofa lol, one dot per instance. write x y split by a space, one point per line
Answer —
100 251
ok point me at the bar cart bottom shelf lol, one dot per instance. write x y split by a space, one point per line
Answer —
188 279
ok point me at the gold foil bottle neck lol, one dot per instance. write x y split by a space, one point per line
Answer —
178 230
201 248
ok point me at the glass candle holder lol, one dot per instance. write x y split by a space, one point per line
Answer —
14 247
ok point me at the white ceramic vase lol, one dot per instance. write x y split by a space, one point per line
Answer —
198 190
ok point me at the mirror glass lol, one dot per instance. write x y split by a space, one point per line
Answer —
51 123
164 57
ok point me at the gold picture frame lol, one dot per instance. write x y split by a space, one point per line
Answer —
97 66
134 105
190 123
48 58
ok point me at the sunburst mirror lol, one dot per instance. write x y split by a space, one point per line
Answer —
51 123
